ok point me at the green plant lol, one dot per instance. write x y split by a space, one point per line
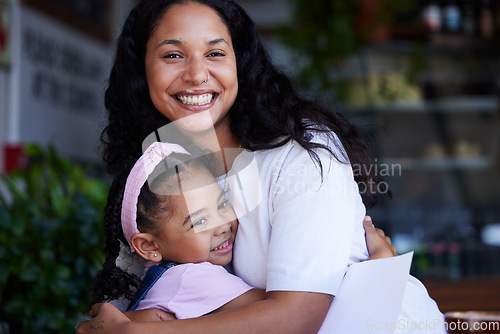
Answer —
51 242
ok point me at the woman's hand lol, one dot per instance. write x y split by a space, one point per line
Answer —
106 319
379 245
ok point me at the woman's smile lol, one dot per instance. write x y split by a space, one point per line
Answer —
196 100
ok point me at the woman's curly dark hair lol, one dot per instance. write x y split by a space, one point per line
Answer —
267 111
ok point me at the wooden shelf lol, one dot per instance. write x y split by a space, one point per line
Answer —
453 105
448 163
466 294
445 45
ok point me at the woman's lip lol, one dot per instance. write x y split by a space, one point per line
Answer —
226 249
193 107
196 92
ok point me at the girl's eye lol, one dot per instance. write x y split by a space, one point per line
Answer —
223 205
200 223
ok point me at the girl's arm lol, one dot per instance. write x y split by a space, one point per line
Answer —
379 245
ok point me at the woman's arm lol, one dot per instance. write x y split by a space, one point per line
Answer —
152 314
155 314
248 297
283 310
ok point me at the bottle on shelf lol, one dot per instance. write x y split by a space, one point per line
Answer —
497 19
452 17
469 24
432 16
486 20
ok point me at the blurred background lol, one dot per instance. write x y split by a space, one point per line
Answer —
420 77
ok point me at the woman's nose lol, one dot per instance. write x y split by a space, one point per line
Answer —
196 71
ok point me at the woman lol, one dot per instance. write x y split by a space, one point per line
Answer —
201 65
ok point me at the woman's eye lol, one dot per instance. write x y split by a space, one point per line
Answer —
171 55
216 54
199 223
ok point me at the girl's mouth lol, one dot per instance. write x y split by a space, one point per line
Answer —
223 248
196 100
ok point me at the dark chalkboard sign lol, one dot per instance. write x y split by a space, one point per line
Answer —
89 16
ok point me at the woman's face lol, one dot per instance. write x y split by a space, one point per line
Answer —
189 46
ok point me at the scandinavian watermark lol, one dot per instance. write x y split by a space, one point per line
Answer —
299 175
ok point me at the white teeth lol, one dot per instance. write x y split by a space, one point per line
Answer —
222 246
196 100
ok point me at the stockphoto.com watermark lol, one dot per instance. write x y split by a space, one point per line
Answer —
429 326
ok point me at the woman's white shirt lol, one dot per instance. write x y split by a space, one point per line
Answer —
303 228
307 227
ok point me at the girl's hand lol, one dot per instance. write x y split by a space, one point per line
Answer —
379 245
106 319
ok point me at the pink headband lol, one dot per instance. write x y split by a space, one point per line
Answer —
153 155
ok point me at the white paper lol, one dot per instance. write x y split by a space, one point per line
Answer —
370 296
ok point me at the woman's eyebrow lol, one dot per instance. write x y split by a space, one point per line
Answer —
172 42
217 40
180 42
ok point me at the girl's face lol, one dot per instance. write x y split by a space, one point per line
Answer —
190 45
202 225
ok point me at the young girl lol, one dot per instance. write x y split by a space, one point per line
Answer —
181 223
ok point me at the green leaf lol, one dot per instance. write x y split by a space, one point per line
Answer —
33 150
17 227
58 200
14 189
14 306
31 271
63 272
34 180
47 256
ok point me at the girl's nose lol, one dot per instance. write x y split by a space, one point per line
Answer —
222 228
